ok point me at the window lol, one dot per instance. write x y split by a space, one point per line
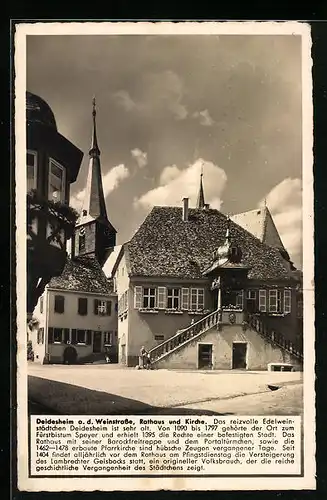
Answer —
272 300
41 305
149 298
56 182
239 299
279 301
159 337
251 295
251 301
107 338
59 304
102 307
262 301
57 335
81 242
82 306
197 299
31 162
173 298
288 302
84 337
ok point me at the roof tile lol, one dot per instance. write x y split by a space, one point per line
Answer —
165 245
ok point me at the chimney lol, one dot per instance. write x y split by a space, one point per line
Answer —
185 209
206 206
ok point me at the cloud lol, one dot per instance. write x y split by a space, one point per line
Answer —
110 181
175 183
124 100
285 204
168 174
204 117
159 92
140 157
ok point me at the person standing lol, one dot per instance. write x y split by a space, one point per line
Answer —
143 357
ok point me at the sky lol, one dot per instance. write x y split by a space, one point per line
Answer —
169 106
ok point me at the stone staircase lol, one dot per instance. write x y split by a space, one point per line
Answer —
275 338
197 329
183 337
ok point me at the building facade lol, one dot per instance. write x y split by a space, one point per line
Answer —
52 165
77 316
198 290
77 313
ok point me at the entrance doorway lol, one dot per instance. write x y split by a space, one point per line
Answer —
239 355
205 356
97 337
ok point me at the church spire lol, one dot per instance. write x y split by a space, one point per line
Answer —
94 206
200 202
94 235
94 151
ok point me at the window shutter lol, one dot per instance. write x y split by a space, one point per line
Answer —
262 301
109 307
74 336
185 298
272 300
287 301
66 335
82 306
50 335
89 337
96 305
137 297
162 300
200 299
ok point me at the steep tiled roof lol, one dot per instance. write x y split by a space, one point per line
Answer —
82 274
165 245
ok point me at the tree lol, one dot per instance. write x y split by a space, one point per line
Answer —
46 247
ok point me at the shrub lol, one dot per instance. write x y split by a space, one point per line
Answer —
30 352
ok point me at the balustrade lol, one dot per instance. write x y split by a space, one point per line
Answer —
183 336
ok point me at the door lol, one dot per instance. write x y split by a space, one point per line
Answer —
205 356
97 337
239 355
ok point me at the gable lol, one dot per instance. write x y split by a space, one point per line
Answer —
270 235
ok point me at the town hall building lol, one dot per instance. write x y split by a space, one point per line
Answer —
198 290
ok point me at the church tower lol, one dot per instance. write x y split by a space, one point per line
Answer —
95 236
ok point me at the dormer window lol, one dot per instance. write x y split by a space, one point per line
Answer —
57 179
84 213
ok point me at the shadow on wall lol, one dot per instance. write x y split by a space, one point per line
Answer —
49 397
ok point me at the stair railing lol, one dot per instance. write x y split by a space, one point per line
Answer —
260 326
184 335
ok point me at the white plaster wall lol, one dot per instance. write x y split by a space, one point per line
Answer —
259 351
